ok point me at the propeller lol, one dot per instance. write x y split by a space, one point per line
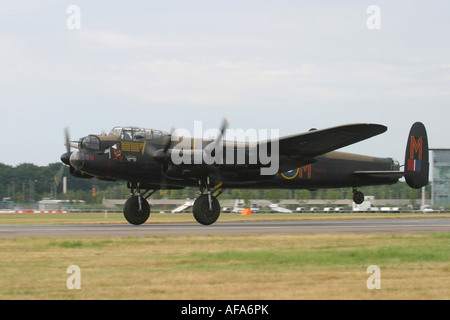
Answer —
164 165
58 175
163 155
66 156
223 127
169 139
69 144
67 138
211 146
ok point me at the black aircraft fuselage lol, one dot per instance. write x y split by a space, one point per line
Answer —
144 159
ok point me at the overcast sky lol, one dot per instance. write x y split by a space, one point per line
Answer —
287 65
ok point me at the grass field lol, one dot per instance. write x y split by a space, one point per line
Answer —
325 266
413 266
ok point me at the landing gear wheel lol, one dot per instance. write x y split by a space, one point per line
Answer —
358 197
133 214
201 210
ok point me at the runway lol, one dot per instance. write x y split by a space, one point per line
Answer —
391 225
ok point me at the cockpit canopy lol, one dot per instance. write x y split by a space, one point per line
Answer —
89 142
136 133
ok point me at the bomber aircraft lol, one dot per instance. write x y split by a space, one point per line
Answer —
150 160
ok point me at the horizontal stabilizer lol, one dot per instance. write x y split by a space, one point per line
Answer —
382 174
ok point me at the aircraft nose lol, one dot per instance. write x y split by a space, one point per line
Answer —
65 158
77 159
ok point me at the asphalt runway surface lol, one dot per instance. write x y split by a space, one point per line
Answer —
391 225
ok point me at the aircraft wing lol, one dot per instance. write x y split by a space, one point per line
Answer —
317 142
300 149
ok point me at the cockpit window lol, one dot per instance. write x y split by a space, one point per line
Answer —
139 134
158 133
116 131
126 135
90 142
136 134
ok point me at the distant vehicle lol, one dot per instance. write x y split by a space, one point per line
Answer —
328 209
366 206
314 210
277 209
426 209
390 209
226 210
238 206
254 208
339 210
299 209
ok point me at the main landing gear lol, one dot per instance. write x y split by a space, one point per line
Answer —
358 196
137 209
206 207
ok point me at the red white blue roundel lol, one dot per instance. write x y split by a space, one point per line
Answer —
290 174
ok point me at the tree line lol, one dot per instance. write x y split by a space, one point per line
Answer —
29 183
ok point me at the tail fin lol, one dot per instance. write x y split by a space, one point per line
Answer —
416 157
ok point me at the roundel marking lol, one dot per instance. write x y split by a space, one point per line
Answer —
291 174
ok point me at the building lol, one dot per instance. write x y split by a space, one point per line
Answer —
441 177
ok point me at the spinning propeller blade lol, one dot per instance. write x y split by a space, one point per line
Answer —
215 143
67 137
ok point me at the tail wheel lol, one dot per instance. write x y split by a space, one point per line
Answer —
358 197
133 214
202 213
